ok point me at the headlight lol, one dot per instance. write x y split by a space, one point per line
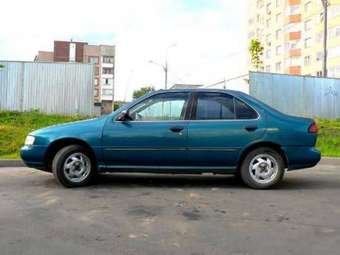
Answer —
29 140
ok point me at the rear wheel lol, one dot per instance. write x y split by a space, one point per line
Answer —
262 168
73 166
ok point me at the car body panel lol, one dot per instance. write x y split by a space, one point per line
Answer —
203 146
144 143
218 143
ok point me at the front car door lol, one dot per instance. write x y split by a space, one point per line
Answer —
220 126
156 135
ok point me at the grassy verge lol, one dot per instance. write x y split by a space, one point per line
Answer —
329 137
15 126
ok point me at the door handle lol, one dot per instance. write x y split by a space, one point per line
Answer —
250 128
176 129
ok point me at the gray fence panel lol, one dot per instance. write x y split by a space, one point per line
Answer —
298 95
61 88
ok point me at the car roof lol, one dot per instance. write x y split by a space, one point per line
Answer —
232 92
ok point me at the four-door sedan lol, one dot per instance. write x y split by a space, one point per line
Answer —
179 131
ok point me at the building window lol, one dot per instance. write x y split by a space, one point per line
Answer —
293 45
268 69
278 67
97 70
278 18
294 9
278 3
108 59
107 81
268 53
308 7
321 17
72 52
308 42
319 56
334 52
307 60
279 50
93 60
319 37
107 92
278 34
268 39
269 7
260 3
308 25
95 82
107 70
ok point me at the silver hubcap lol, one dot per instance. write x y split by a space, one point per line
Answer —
77 167
263 168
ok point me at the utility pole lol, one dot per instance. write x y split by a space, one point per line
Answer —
166 74
165 66
325 4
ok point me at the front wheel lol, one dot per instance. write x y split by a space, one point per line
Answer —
73 166
262 168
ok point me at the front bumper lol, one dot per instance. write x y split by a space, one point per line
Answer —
33 156
299 157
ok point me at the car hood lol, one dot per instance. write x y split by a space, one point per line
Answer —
69 126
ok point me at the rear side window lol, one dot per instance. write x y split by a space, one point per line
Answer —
244 111
215 106
220 106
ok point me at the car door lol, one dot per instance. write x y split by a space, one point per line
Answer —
220 127
156 135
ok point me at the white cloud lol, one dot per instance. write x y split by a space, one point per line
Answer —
141 30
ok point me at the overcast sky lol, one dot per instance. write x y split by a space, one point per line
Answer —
210 36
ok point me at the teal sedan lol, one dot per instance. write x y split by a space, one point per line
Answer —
179 132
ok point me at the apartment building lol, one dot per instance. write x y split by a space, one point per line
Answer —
102 56
291 32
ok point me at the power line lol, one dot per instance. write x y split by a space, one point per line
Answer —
227 80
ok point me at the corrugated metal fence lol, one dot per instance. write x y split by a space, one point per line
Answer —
61 88
298 95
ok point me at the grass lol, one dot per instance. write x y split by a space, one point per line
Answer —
15 126
329 137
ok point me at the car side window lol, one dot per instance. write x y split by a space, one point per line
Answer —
215 106
244 111
162 107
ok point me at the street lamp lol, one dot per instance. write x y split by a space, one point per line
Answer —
165 66
325 4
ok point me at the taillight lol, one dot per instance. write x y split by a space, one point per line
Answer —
313 128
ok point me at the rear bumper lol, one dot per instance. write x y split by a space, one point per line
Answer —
301 157
33 156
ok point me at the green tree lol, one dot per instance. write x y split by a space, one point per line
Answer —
256 52
2 66
142 91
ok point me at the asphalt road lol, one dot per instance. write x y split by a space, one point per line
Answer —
194 215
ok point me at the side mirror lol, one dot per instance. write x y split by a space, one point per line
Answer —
124 116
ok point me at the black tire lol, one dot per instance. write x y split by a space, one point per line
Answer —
251 181
59 161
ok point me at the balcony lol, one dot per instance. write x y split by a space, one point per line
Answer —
296 18
295 53
294 2
294 36
295 70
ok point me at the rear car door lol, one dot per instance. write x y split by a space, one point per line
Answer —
155 136
220 126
